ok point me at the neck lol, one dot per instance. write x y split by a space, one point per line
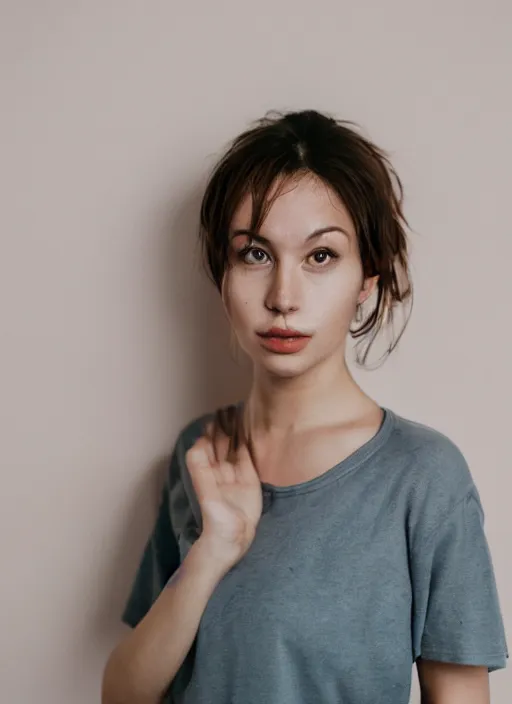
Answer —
325 395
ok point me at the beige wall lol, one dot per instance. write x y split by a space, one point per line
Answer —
110 339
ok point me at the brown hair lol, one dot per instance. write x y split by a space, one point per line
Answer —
309 142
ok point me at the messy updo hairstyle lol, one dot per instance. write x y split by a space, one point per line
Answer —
288 145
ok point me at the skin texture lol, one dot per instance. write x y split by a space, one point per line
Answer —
227 487
446 683
176 576
306 402
292 282
305 412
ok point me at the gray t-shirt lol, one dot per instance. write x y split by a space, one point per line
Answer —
351 577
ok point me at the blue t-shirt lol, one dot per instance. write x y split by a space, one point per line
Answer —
350 578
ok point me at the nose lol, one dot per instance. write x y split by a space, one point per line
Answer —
284 291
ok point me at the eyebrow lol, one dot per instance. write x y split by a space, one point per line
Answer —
316 233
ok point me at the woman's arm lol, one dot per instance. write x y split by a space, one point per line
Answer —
448 683
142 666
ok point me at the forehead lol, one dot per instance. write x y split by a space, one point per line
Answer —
301 206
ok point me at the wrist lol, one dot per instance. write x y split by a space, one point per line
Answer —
209 559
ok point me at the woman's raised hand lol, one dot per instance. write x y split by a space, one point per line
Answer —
227 486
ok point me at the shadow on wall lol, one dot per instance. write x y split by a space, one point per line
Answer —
202 377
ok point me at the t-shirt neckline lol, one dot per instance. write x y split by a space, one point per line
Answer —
356 458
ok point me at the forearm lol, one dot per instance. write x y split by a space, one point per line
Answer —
142 666
448 683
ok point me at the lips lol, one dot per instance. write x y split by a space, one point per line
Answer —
284 341
283 333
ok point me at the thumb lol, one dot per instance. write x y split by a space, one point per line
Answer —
201 470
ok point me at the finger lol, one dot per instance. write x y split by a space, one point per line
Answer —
208 435
216 434
200 469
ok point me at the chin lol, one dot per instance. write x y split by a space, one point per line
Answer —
285 366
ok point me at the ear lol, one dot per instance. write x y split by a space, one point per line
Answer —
369 286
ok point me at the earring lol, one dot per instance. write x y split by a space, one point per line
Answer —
359 313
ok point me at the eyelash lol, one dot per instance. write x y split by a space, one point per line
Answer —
251 248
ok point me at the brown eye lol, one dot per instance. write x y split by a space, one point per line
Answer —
323 256
257 253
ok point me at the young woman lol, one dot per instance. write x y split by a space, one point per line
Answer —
310 545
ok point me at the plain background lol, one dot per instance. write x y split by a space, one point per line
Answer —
111 338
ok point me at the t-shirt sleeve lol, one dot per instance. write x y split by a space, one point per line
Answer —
456 612
160 560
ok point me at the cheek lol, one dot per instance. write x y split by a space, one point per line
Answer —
235 297
231 290
336 298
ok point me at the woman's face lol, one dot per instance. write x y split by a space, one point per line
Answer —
290 275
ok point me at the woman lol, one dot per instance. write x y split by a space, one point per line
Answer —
311 545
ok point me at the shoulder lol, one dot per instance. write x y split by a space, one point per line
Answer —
186 437
191 431
183 505
432 456
194 428
435 473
